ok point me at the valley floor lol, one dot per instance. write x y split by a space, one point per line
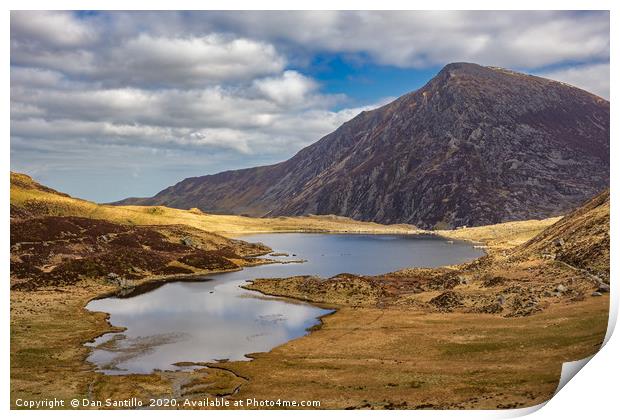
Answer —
492 333
386 346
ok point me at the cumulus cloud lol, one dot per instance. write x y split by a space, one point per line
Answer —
50 28
425 38
163 61
289 88
172 118
191 61
195 93
591 77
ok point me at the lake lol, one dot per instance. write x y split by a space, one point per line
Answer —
215 319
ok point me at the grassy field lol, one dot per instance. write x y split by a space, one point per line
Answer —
501 236
26 193
399 358
386 346
359 358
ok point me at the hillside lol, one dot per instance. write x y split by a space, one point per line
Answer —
474 146
565 263
31 199
57 240
581 239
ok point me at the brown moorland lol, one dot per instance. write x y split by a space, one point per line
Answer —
488 334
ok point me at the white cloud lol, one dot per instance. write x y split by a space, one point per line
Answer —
51 28
145 60
591 77
290 88
426 38
192 61
218 89
278 114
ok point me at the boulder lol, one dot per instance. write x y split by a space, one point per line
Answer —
603 288
597 294
560 288
187 241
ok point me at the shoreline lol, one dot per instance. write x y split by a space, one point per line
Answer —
160 280
238 368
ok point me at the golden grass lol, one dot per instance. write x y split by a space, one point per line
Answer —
25 191
378 358
503 235
362 357
48 331
24 194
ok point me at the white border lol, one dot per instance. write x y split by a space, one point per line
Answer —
592 395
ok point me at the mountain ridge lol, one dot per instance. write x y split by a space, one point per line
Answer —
475 145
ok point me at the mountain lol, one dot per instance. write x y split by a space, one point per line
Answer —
476 145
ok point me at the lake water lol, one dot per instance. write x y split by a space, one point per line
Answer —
214 319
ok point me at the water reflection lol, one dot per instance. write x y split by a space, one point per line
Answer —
215 319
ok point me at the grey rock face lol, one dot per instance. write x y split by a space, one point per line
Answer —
603 288
474 146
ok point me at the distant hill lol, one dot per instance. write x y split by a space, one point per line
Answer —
57 240
476 145
31 199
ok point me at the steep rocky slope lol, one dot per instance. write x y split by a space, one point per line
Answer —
581 239
474 146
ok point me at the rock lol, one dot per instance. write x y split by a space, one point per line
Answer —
603 288
597 294
187 241
558 242
113 276
501 299
447 301
493 308
125 283
560 288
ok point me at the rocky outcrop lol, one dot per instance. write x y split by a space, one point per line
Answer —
474 146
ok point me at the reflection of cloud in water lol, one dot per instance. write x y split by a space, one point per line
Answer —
216 319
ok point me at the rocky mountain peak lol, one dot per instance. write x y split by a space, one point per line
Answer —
475 145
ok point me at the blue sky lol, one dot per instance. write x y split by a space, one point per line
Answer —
106 105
